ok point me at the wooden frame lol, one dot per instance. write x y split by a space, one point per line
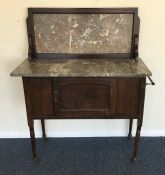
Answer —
32 54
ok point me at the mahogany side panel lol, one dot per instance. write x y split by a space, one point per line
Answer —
39 95
128 96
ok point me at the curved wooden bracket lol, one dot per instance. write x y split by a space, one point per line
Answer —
136 42
30 48
30 53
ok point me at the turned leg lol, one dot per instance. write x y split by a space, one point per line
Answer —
137 139
130 129
43 129
33 142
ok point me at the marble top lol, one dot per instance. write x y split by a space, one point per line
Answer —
82 68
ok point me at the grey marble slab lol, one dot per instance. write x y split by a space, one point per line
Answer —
82 68
83 33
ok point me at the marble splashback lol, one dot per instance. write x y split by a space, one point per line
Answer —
83 33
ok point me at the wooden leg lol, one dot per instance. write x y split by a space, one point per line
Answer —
130 129
33 142
43 129
137 139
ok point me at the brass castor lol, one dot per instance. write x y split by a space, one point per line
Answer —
36 160
133 159
129 136
44 138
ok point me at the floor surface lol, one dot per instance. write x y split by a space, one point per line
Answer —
82 156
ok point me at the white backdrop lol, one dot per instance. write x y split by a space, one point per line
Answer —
13 49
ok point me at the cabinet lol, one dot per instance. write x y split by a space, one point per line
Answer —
69 98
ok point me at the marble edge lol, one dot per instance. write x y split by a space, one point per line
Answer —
12 74
71 76
150 73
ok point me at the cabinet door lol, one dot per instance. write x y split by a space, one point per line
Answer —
129 92
83 97
39 97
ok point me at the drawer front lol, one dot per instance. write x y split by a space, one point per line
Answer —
87 97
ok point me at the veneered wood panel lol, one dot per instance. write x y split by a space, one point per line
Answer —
128 96
83 97
40 96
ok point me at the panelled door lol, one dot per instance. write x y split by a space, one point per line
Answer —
84 97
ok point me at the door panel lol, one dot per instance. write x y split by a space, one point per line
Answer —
83 97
